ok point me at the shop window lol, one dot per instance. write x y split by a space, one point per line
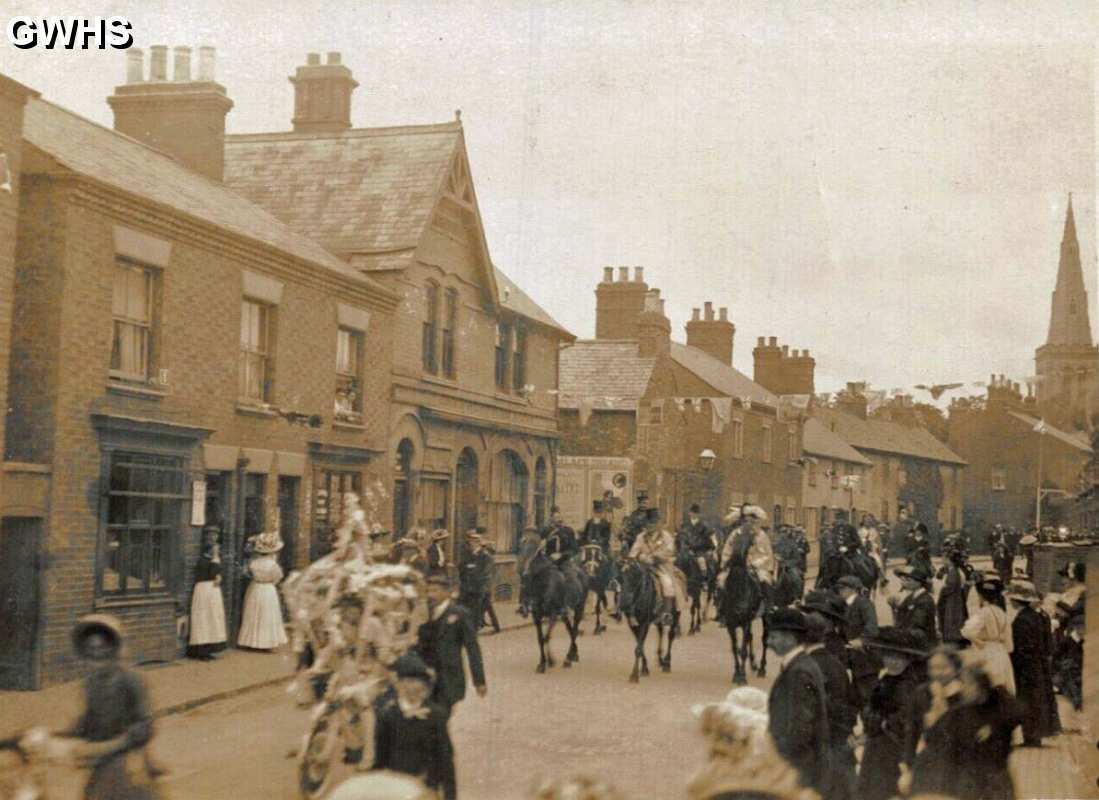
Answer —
255 504
255 351
508 502
138 545
434 502
328 491
132 311
349 359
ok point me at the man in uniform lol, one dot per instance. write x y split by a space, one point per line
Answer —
655 547
916 610
441 640
559 543
696 540
597 530
633 524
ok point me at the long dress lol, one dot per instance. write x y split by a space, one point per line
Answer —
888 722
261 625
1032 658
207 611
974 749
951 604
988 630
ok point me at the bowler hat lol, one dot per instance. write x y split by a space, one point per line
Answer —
695 508
642 495
1028 540
825 603
918 574
919 527
898 640
439 534
849 582
105 624
411 665
787 619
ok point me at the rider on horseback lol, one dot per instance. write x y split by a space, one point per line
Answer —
656 549
559 545
760 556
597 530
696 539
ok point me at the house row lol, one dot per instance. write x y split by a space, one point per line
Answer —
235 330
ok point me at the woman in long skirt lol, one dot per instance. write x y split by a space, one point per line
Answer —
989 631
207 605
261 626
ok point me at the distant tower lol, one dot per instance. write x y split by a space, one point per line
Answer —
1068 363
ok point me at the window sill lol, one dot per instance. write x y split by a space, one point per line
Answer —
144 390
255 410
511 398
438 380
348 425
108 602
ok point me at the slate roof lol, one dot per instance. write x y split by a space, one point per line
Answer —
608 371
728 380
818 440
886 437
518 302
126 164
1077 440
367 190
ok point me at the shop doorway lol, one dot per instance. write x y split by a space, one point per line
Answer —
469 494
20 574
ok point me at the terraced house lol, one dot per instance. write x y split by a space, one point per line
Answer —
472 418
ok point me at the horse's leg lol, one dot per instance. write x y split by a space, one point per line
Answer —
738 657
574 631
644 637
762 671
549 636
671 638
637 652
541 643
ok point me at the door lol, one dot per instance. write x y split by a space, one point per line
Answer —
289 488
468 496
20 573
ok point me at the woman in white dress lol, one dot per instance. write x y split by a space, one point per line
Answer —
988 630
261 626
207 606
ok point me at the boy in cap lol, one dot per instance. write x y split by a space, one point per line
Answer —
916 610
441 640
797 708
411 735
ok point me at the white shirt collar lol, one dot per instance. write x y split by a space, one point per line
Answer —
786 660
851 599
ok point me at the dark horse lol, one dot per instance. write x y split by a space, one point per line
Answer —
640 602
600 569
555 594
699 580
855 563
741 599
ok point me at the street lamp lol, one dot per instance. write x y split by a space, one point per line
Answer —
706 459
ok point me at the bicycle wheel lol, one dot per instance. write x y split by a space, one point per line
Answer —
318 756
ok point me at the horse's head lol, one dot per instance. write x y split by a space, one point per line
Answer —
591 557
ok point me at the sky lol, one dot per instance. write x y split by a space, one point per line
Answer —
883 183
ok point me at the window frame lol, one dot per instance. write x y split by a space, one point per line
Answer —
171 545
737 434
449 330
504 337
998 479
149 327
518 357
429 345
352 378
767 443
264 353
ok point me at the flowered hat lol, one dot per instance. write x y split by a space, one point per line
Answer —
267 543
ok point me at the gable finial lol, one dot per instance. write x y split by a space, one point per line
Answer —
457 115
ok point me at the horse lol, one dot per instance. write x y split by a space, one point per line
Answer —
741 600
699 580
555 593
600 569
640 601
789 585
857 563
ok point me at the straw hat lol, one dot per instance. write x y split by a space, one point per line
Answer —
381 786
1023 591
267 543
105 624
439 534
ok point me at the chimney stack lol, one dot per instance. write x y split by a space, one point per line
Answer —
782 369
322 95
618 304
183 118
654 331
713 336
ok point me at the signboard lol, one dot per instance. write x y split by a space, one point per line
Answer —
582 479
198 503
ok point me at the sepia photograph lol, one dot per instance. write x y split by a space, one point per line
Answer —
549 400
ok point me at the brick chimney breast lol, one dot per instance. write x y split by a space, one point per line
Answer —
619 303
322 95
654 331
183 118
712 335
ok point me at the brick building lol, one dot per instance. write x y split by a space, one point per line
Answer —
473 413
998 439
166 335
634 392
829 460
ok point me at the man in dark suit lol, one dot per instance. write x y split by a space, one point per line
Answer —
597 530
559 542
916 611
635 522
441 640
797 706
860 622
1032 660
473 575
695 538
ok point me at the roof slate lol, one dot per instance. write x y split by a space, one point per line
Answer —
609 373
728 380
820 441
886 437
126 164
364 190
517 301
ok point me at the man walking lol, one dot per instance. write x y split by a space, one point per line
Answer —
441 640
916 611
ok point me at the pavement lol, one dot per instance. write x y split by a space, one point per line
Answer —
586 719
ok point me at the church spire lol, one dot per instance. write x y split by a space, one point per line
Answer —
1068 320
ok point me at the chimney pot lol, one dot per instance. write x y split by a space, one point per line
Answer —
772 341
158 63
313 59
135 65
624 274
709 311
181 69
661 307
760 341
206 56
333 58
785 350
723 314
696 315
639 274
805 353
608 274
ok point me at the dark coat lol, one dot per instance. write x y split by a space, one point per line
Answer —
951 605
842 706
862 619
1068 669
436 559
419 747
561 541
697 539
917 612
798 719
596 531
632 525
887 723
1032 660
440 644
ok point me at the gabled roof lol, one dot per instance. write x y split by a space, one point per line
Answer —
728 380
111 158
886 437
818 440
608 373
518 302
1077 440
369 191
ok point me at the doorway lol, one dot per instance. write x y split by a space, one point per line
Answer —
20 573
468 501
402 489
289 488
